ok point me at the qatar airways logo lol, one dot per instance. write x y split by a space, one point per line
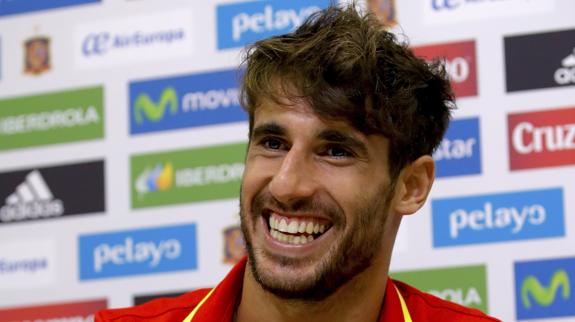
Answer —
460 64
541 139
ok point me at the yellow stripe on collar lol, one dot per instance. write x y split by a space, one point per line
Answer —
406 315
193 313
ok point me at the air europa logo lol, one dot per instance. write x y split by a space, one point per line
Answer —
27 263
162 35
452 11
185 101
187 175
460 62
240 24
553 67
142 251
498 217
541 138
543 288
459 153
463 285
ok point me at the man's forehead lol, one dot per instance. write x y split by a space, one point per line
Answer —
280 113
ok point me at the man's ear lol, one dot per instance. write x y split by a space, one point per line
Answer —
413 185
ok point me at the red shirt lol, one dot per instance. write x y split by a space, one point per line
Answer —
220 305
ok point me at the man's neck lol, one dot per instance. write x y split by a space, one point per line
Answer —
359 299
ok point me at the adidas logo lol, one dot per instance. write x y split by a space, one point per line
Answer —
31 200
566 74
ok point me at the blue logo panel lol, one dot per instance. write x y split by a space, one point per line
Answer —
240 24
185 101
136 252
545 288
13 7
460 150
498 217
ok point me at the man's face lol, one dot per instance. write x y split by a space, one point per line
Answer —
314 201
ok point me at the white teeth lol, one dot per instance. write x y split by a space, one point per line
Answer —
301 227
293 227
271 222
291 239
283 225
321 228
316 228
309 228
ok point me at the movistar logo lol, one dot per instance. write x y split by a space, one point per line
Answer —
545 296
155 111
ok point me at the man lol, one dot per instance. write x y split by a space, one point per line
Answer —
342 124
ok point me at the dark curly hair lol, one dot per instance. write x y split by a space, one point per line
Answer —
346 66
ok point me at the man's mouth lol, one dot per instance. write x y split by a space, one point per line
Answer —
296 230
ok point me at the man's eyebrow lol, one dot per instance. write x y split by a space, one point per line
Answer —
271 128
336 136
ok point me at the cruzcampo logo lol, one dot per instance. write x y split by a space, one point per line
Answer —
463 285
155 111
544 296
543 288
187 176
60 117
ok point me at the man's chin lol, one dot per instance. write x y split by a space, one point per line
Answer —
290 279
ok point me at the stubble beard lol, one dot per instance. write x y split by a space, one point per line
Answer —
350 255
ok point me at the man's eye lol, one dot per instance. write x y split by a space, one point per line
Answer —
272 144
338 152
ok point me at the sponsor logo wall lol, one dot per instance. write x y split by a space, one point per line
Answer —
122 145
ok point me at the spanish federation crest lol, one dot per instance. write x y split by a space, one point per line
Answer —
37 58
385 11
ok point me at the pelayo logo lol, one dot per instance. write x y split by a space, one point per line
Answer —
187 176
553 67
135 252
541 139
60 117
58 312
463 285
460 63
240 24
185 101
498 217
52 192
544 288
460 150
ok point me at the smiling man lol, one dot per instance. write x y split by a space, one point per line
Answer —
342 123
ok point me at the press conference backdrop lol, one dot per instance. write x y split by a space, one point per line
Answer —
122 144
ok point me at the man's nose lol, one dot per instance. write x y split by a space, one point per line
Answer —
295 179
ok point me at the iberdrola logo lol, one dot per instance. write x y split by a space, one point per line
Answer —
155 111
158 178
545 296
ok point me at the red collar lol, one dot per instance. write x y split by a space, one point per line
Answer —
219 305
